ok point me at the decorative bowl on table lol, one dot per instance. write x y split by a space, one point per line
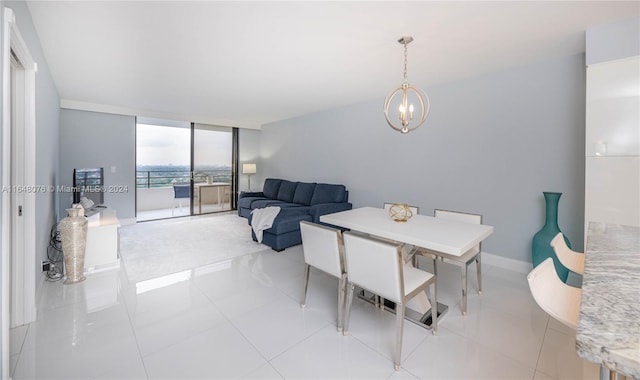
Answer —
400 212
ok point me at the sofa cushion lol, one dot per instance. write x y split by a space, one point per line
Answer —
304 193
271 187
288 220
262 203
326 193
246 202
287 190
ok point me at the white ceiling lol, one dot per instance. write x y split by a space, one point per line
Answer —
248 63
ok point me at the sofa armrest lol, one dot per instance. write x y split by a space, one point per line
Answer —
318 210
251 194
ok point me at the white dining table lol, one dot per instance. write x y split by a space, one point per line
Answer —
450 237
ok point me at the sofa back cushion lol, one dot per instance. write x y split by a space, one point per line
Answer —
304 193
271 187
286 191
326 193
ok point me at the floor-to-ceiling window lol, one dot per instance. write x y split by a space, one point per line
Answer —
212 167
183 169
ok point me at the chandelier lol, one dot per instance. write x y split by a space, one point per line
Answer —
406 119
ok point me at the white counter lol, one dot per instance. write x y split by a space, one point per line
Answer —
609 322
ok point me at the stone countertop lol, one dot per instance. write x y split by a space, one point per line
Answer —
609 323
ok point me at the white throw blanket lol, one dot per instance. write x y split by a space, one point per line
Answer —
263 219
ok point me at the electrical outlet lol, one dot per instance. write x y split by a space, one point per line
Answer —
46 266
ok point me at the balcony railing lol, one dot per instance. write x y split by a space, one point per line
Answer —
166 178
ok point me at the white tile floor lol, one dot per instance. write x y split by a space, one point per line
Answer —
175 212
241 319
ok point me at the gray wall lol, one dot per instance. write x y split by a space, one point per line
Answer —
93 139
47 115
491 145
613 41
249 152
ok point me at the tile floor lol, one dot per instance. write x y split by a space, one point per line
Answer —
142 216
241 319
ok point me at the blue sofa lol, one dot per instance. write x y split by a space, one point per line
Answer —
297 201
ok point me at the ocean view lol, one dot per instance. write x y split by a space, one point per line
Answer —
166 175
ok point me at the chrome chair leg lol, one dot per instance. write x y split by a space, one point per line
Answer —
479 270
307 271
434 308
435 265
464 289
400 307
347 309
342 287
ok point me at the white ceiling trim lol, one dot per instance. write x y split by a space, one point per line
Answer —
106 108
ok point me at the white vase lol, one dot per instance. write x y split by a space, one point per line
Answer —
73 231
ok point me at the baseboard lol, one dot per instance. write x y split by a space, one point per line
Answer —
506 263
102 268
39 287
124 222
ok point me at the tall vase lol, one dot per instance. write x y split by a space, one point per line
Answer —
73 231
541 244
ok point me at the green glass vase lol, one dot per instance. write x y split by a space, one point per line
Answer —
541 245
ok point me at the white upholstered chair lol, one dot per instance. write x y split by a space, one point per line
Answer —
559 300
572 260
377 266
472 255
407 248
322 248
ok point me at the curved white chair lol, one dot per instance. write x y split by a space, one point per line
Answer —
322 249
559 300
377 266
572 260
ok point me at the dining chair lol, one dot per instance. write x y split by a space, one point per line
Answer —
464 260
377 266
408 248
180 192
572 260
322 249
559 300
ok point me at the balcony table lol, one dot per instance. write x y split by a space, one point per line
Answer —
609 321
215 185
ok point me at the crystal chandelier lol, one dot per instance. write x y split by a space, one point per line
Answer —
406 119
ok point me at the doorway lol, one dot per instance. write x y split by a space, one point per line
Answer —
18 174
183 169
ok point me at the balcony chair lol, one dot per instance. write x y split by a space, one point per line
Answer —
572 260
559 300
322 249
474 254
378 267
180 192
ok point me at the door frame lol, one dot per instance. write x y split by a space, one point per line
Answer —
23 283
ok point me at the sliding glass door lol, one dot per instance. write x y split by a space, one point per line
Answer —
212 168
184 169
